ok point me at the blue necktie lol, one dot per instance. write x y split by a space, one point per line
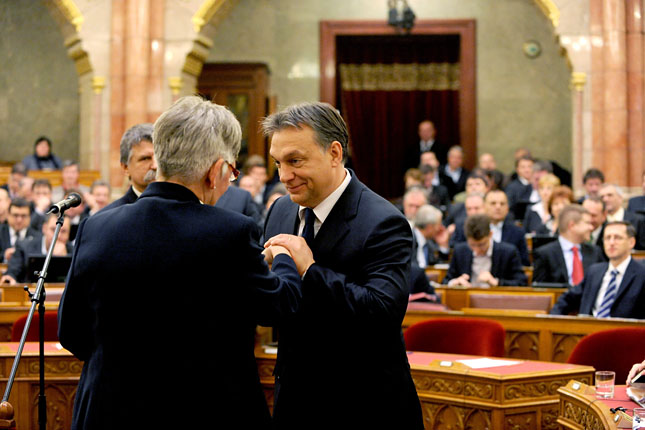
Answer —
308 231
610 296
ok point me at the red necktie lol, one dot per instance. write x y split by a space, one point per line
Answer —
577 274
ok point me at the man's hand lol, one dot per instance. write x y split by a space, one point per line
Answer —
443 236
8 253
635 369
6 279
462 281
297 247
270 253
488 278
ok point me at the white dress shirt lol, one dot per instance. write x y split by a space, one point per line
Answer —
324 208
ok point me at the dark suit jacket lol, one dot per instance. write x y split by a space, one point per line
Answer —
161 303
638 221
511 234
354 297
506 265
239 200
636 204
549 264
533 223
517 193
126 199
413 154
629 298
439 198
452 186
18 264
5 239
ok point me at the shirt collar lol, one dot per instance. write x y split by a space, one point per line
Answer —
622 267
566 244
324 208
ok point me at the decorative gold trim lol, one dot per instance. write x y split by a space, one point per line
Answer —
578 80
98 83
71 12
400 77
81 59
551 11
205 13
196 57
175 83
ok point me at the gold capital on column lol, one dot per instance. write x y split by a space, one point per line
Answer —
71 12
98 83
551 11
175 83
578 80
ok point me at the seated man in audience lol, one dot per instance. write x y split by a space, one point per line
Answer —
453 175
241 201
504 230
255 167
519 190
566 260
487 163
76 215
477 182
98 198
483 262
413 199
41 202
637 204
71 173
16 229
17 268
137 161
430 241
612 196
474 205
437 194
592 180
18 171
252 185
596 208
610 289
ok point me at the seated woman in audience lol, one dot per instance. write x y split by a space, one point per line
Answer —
539 215
42 158
562 196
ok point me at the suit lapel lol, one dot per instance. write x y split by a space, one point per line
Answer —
336 226
497 264
562 264
628 277
592 286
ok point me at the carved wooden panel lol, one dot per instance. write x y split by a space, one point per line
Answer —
563 344
443 416
524 421
522 344
550 418
60 404
581 415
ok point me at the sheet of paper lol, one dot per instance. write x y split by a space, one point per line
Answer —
482 363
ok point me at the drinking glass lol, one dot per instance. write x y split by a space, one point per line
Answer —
605 384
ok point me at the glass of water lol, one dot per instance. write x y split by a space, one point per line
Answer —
639 419
605 384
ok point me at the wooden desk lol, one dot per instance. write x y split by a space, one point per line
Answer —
534 337
62 372
520 396
582 410
457 298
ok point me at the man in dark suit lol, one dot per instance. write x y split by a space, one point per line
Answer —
241 201
37 246
520 189
613 198
172 238
427 143
592 180
452 174
566 260
430 239
355 294
610 289
438 195
137 162
17 228
504 230
483 262
596 208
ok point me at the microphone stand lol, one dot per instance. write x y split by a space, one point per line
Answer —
37 298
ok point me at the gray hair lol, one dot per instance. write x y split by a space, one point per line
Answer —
192 135
322 118
132 137
427 215
618 189
415 189
542 165
100 183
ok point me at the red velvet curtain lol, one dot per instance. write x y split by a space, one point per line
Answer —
383 123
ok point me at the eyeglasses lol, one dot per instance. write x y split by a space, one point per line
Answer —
234 172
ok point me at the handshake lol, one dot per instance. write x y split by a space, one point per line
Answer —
294 246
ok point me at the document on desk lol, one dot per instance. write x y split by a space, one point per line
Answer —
637 395
482 363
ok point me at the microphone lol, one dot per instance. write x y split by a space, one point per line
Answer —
73 200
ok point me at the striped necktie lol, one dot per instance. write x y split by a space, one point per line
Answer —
610 296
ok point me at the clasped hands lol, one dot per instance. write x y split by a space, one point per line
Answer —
294 246
484 278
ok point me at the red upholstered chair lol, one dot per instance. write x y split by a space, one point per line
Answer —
615 349
51 327
471 336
